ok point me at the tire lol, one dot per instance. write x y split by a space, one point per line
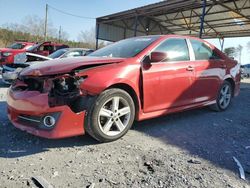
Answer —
224 97
110 116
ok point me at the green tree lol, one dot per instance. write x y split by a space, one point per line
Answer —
231 51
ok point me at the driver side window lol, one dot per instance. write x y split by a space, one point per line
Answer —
175 48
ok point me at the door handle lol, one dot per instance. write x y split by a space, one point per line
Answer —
190 68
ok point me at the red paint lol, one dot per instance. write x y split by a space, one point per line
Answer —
34 103
160 88
38 50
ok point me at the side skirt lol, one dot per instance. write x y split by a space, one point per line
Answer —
149 115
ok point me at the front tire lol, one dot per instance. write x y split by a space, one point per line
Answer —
110 116
224 97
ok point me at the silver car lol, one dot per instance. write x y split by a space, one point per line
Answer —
10 72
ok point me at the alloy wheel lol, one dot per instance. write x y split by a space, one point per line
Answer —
114 116
225 96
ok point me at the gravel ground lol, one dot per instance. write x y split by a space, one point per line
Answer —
188 149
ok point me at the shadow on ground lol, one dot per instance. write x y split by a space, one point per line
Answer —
213 136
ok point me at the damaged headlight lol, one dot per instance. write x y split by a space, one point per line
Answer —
67 84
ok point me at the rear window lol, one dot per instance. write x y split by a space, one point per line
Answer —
58 53
201 50
17 46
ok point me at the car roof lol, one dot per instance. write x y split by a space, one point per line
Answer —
26 43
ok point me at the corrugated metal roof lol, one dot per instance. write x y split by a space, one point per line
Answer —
224 18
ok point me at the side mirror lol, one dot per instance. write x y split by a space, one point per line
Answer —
157 56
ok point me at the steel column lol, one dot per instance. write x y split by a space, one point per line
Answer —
221 40
97 36
135 26
203 17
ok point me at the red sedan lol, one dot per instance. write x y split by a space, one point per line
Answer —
133 79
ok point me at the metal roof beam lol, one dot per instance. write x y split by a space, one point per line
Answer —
183 28
206 23
157 23
179 25
216 20
233 10
210 13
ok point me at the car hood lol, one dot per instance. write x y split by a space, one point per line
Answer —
59 66
11 50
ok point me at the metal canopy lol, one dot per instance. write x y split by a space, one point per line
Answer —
201 18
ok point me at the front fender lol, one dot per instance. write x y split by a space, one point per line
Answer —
100 78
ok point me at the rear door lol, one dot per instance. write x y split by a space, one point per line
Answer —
209 71
167 84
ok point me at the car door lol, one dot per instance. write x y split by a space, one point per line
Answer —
167 84
43 50
209 71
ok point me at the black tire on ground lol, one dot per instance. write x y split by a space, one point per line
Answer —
93 121
218 106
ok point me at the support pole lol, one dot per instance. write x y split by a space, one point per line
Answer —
124 33
135 26
46 22
203 17
60 33
221 40
97 36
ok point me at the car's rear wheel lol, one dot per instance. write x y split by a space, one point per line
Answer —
111 115
224 97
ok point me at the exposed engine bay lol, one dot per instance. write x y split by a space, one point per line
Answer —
62 89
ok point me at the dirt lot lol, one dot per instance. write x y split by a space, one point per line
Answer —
189 149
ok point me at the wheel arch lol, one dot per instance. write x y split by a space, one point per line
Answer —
131 92
231 81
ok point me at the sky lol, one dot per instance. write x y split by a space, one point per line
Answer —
14 11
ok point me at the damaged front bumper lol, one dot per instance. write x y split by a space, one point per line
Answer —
27 111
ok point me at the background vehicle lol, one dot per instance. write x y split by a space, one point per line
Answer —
62 53
46 48
10 56
245 70
10 72
133 79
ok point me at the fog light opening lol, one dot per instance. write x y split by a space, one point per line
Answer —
49 121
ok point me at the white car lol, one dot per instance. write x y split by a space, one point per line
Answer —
10 72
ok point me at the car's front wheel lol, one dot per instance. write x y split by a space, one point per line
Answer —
224 97
111 115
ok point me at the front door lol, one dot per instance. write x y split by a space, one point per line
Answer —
167 84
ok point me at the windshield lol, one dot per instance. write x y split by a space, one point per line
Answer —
58 53
16 46
125 48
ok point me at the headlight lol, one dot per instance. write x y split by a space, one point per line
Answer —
6 54
67 84
80 80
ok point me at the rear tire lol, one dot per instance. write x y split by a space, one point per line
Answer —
110 116
224 97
